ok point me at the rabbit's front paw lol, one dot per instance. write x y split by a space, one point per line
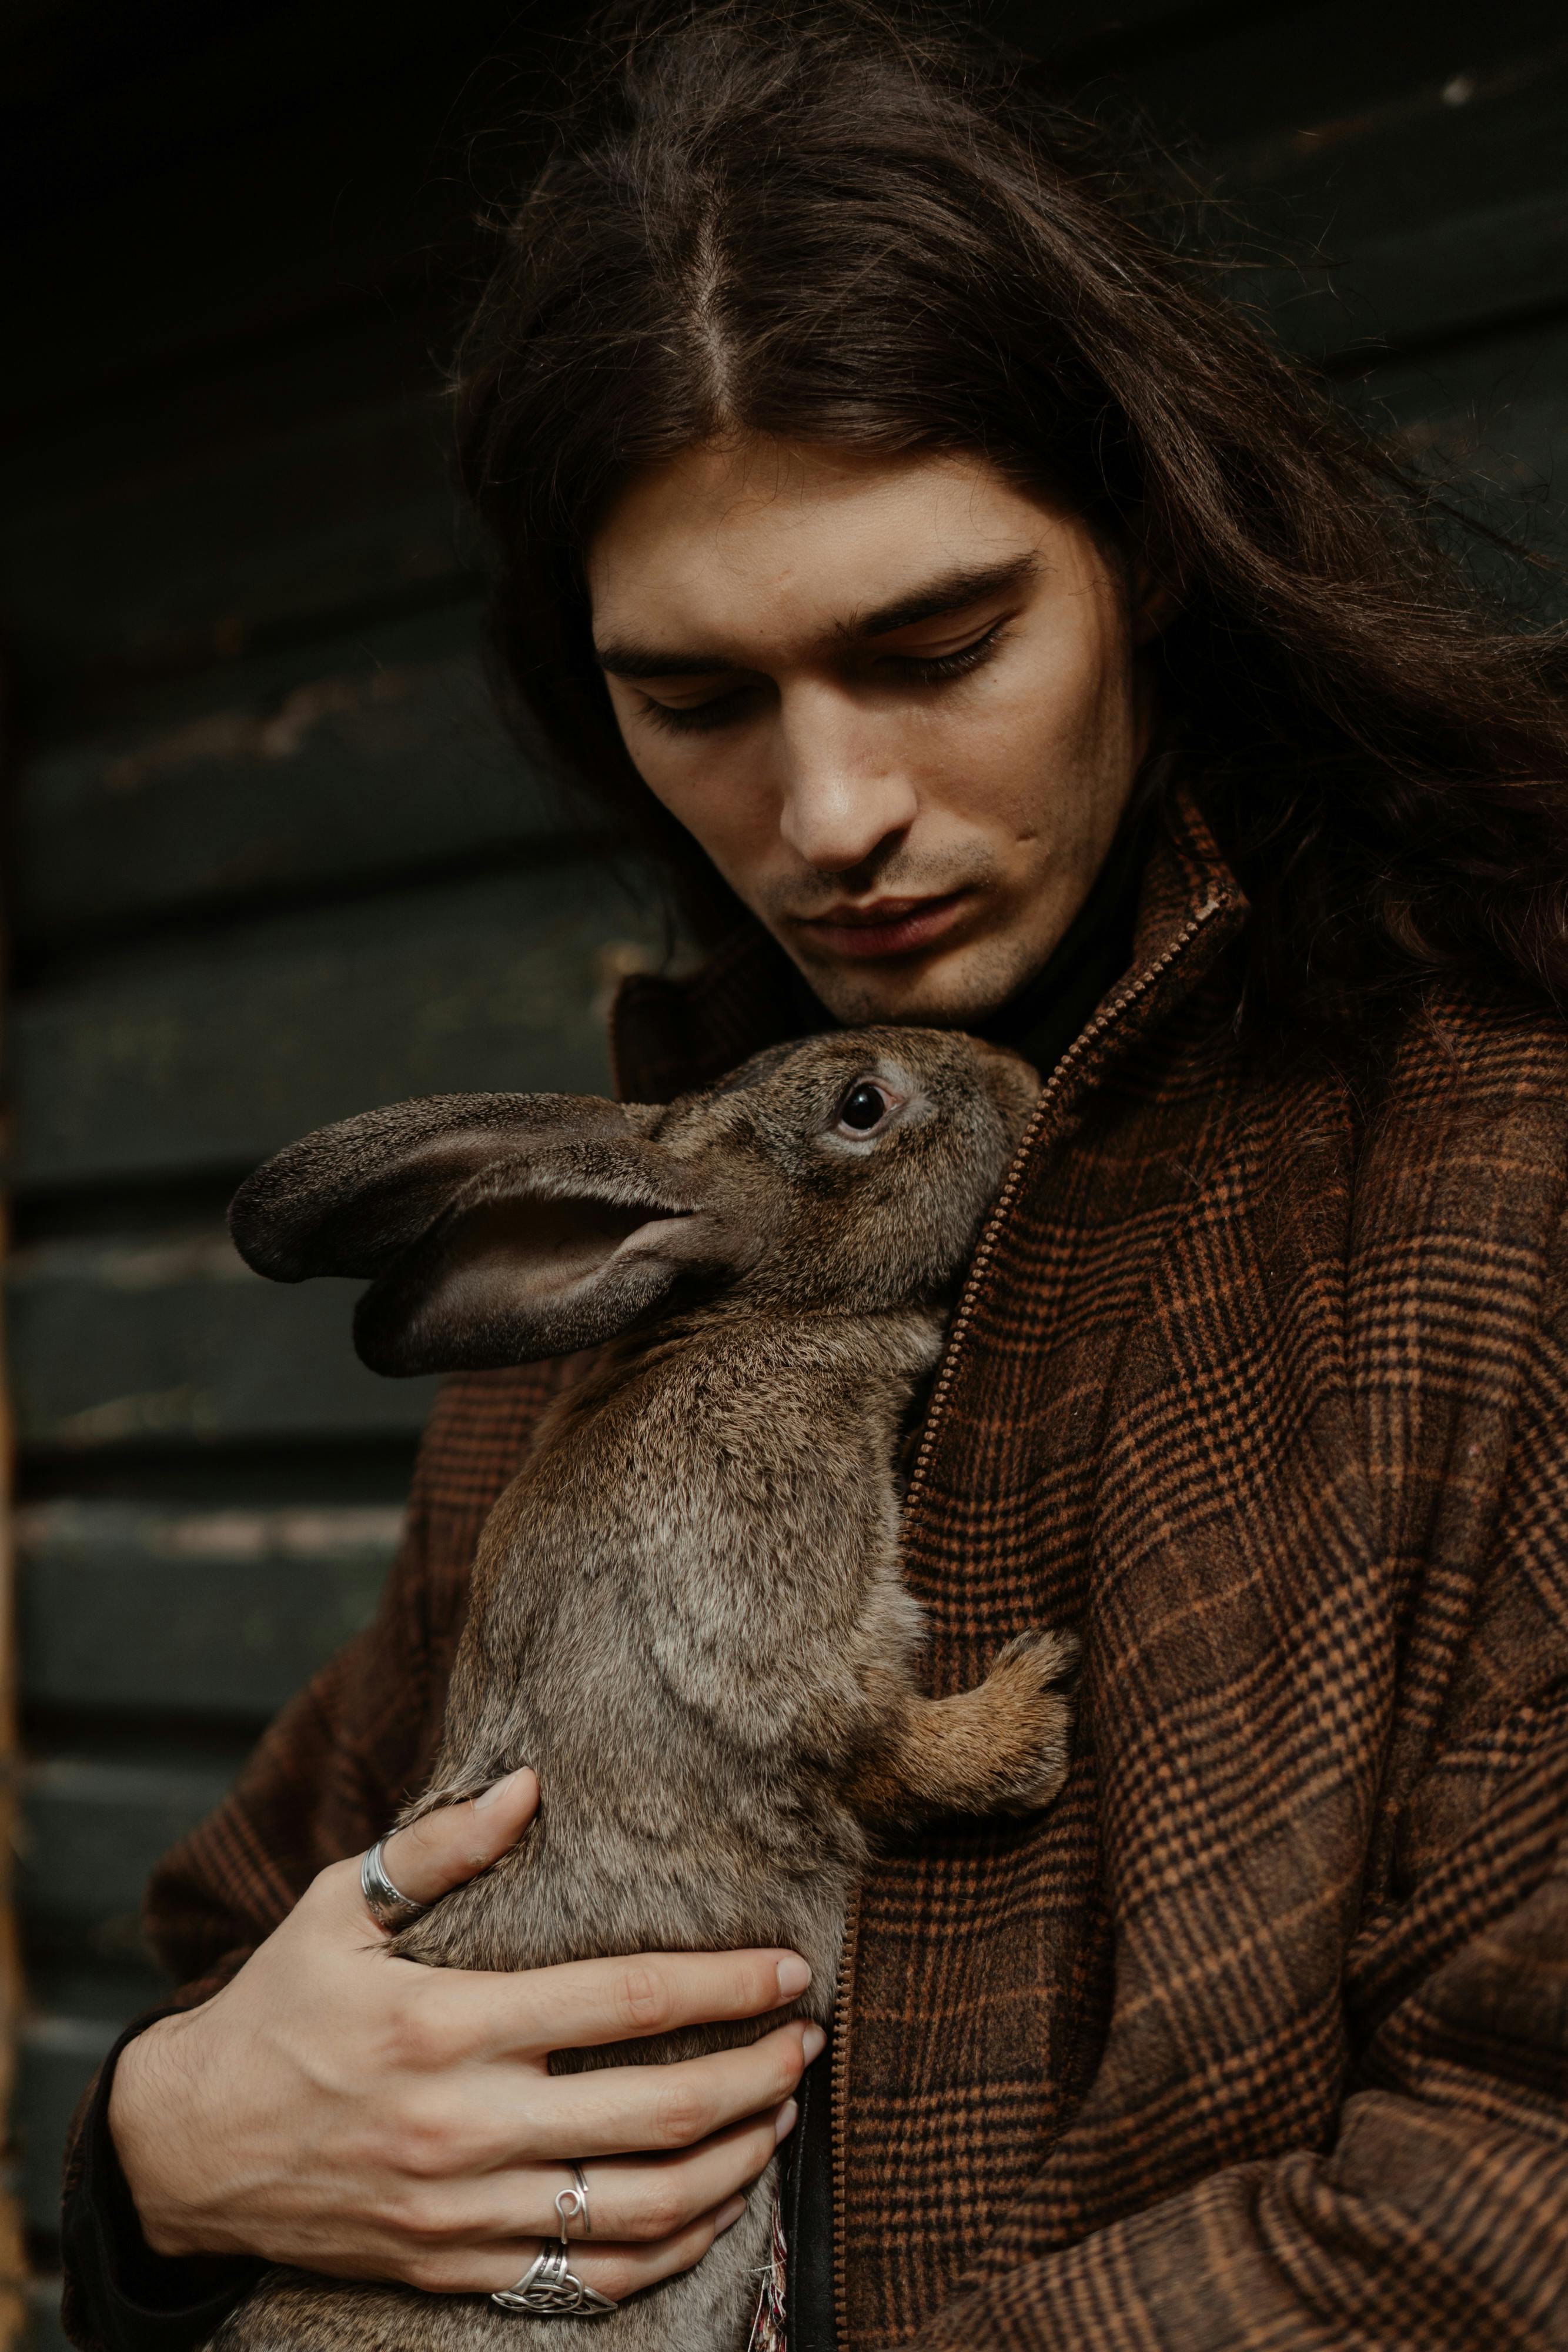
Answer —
1000 1747
1030 1698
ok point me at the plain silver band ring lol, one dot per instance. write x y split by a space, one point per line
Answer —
388 1906
550 2289
571 2205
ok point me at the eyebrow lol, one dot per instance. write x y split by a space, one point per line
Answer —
950 592
953 592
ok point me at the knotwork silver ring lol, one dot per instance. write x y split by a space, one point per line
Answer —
550 2289
388 1906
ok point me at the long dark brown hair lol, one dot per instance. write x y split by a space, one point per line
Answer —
839 226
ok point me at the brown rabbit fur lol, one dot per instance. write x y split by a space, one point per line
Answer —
687 1610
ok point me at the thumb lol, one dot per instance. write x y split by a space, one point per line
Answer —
444 1848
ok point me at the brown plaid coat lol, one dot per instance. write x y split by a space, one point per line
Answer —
1259 2041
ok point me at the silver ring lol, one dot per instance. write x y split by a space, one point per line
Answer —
548 2289
571 2205
388 1906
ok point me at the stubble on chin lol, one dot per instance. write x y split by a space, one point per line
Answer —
957 990
950 989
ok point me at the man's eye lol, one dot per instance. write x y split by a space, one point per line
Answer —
695 718
863 1107
930 669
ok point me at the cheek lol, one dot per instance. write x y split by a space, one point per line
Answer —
1045 752
1065 706
702 787
1053 716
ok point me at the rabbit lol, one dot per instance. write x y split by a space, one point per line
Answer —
686 1609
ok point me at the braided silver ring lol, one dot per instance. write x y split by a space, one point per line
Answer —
550 2289
388 1906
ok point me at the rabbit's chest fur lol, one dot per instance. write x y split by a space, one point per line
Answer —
674 1608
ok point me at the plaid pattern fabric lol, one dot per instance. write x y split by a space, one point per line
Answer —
1258 2041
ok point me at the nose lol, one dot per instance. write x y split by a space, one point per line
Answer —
842 800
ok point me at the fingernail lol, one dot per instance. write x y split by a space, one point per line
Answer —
784 2121
729 2213
813 2042
498 1788
794 1976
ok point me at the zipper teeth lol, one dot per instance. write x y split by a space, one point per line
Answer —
838 2108
985 1250
986 1247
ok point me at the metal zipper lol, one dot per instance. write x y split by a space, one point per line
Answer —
838 2108
963 1321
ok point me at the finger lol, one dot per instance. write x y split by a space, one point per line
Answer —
616 2271
634 2199
629 2110
640 2201
582 2004
442 1848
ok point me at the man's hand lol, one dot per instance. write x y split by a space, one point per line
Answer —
339 2109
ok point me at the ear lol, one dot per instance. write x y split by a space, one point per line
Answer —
350 1198
543 1257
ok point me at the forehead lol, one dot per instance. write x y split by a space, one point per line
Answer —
758 544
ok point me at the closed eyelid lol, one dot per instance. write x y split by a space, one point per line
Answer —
954 636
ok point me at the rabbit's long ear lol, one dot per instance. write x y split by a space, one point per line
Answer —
351 1198
542 1257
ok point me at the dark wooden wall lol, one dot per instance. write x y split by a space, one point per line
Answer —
269 859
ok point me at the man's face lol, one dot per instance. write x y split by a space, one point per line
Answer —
898 701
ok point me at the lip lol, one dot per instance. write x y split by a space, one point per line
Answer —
888 927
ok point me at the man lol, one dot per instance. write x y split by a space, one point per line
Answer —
987 630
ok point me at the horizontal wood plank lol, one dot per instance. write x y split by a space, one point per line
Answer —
173 1342
169 568
369 756
92 1831
1300 69
210 1613
56 2060
209 1054
1430 178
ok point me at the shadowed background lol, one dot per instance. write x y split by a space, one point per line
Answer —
268 857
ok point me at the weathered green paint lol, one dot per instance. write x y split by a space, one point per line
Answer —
91 1830
209 1613
171 1339
211 1053
362 759
237 541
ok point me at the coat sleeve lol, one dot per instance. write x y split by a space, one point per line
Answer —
327 1778
1437 2214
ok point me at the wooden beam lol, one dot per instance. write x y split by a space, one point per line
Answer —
149 1611
209 1053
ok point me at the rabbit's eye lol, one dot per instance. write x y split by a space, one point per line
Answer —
862 1107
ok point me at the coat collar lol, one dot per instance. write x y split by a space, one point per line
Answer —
670 1035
